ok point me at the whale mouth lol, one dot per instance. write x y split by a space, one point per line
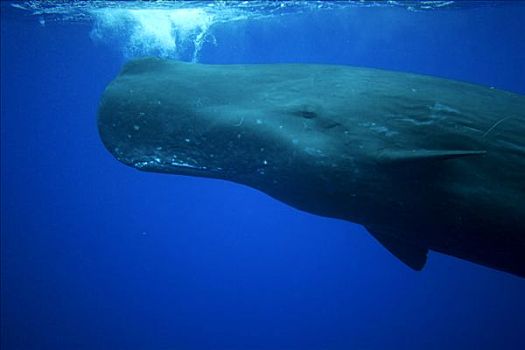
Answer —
182 167
156 162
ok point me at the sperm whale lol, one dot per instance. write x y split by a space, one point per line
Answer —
423 163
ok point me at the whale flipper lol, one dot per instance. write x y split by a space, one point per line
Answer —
390 156
412 255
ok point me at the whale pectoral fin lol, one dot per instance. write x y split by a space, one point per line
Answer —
412 255
397 156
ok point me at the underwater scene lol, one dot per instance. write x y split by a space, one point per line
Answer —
262 175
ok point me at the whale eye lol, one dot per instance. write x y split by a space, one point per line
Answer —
305 111
321 121
317 119
308 114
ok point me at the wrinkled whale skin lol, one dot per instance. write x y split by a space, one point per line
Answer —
422 162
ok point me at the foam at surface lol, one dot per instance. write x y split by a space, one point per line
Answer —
179 29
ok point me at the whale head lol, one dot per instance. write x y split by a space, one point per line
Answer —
175 117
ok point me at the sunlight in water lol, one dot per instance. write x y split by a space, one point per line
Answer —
179 29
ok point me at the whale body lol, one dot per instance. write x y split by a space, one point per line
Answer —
423 163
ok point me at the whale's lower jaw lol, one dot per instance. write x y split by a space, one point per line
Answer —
156 165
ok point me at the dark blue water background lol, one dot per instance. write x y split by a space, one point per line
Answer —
96 255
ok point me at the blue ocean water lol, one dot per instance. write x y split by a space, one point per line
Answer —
96 255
